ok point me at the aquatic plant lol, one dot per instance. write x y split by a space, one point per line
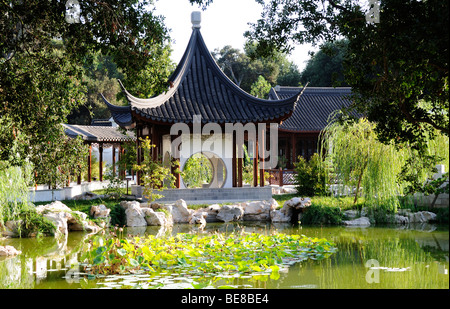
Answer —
217 254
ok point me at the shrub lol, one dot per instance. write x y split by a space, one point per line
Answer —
310 176
322 214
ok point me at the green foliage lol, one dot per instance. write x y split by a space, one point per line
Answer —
399 82
197 171
244 68
34 224
232 254
115 185
155 176
14 198
322 214
324 68
15 204
46 64
260 88
311 176
360 161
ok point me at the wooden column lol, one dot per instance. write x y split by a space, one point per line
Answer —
90 164
261 168
233 163
138 154
239 165
294 149
114 159
174 168
79 175
100 161
255 162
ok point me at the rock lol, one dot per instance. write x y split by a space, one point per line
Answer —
429 216
258 210
421 217
59 219
55 206
11 228
99 211
126 204
9 251
212 211
399 219
362 221
87 196
80 222
351 214
199 217
180 212
158 218
135 215
298 202
229 213
279 216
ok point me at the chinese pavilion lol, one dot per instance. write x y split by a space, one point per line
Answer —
201 93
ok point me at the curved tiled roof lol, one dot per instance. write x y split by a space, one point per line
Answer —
314 107
97 133
199 87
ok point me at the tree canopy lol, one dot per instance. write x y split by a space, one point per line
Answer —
324 68
396 63
45 49
244 69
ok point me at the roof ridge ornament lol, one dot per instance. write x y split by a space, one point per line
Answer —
196 19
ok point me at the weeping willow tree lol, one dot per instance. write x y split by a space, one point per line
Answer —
14 193
361 164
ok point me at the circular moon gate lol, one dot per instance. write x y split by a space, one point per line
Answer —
217 168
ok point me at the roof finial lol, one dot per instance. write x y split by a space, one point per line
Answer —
196 19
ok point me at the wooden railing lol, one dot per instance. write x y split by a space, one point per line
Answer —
281 177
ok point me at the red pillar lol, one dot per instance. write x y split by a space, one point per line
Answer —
100 163
90 164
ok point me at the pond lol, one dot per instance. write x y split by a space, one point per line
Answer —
381 257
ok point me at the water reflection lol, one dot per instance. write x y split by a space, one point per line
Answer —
420 251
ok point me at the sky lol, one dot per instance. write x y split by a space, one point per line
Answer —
223 23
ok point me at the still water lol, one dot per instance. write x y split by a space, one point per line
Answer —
388 257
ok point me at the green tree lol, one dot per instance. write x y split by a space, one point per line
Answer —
260 88
311 176
324 68
244 68
397 65
154 175
43 54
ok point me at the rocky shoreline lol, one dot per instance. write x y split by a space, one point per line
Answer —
166 215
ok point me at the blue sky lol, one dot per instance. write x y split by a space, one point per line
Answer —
223 23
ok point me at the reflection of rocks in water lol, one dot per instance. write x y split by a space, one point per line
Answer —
37 260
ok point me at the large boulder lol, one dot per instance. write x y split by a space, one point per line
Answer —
157 218
55 206
212 211
59 219
280 216
296 205
361 221
180 212
422 217
99 211
229 213
199 217
258 210
135 216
